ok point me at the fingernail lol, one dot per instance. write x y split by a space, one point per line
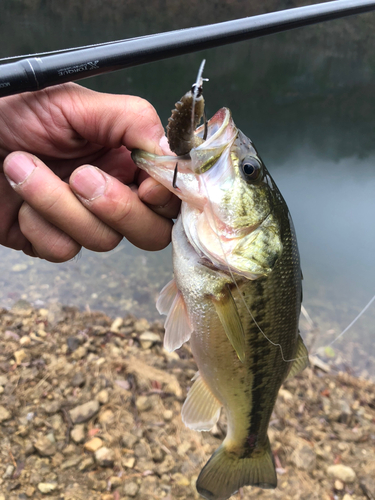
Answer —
163 143
18 168
89 183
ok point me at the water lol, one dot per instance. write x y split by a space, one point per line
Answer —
306 100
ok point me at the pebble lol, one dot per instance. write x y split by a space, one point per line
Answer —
143 403
8 472
86 464
342 472
105 457
304 458
128 462
45 447
94 444
106 417
141 325
4 414
3 380
71 462
73 343
78 433
116 324
47 487
168 415
25 340
115 481
148 339
20 356
339 485
102 397
84 412
130 489
347 497
128 440
79 353
78 380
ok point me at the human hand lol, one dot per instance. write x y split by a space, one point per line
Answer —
70 129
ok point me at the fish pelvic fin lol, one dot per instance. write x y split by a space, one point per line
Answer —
178 328
301 359
227 311
225 473
201 409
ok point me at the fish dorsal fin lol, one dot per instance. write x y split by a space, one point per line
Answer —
166 297
301 361
177 326
201 409
230 319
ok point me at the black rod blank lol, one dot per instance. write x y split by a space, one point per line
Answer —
35 73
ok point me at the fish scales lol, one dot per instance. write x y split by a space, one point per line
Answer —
236 295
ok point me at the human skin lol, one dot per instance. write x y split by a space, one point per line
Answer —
66 177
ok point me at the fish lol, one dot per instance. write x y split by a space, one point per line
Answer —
236 290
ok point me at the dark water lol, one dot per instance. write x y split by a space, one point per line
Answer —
307 100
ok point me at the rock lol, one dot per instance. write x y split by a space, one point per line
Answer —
148 339
128 440
78 433
73 343
347 497
30 490
128 462
53 407
8 472
115 481
102 397
105 457
86 464
80 352
4 414
116 324
165 466
84 412
341 472
20 356
339 485
304 458
143 403
71 462
106 417
45 447
168 415
130 489
93 445
47 487
78 380
25 340
141 325
3 380
180 479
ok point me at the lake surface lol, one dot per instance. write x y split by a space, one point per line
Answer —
307 100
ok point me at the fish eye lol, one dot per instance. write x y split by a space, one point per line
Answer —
251 169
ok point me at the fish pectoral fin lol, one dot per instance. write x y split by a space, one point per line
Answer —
301 359
201 409
178 328
166 297
230 319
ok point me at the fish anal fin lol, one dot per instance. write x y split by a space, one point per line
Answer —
301 359
166 297
225 473
201 409
227 311
178 328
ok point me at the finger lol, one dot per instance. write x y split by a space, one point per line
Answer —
47 241
110 120
120 207
55 202
159 199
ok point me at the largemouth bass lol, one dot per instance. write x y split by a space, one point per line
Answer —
236 292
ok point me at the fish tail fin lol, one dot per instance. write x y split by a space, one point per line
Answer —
225 473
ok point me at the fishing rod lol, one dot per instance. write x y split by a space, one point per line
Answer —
41 71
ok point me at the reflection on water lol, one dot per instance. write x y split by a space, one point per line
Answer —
306 98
